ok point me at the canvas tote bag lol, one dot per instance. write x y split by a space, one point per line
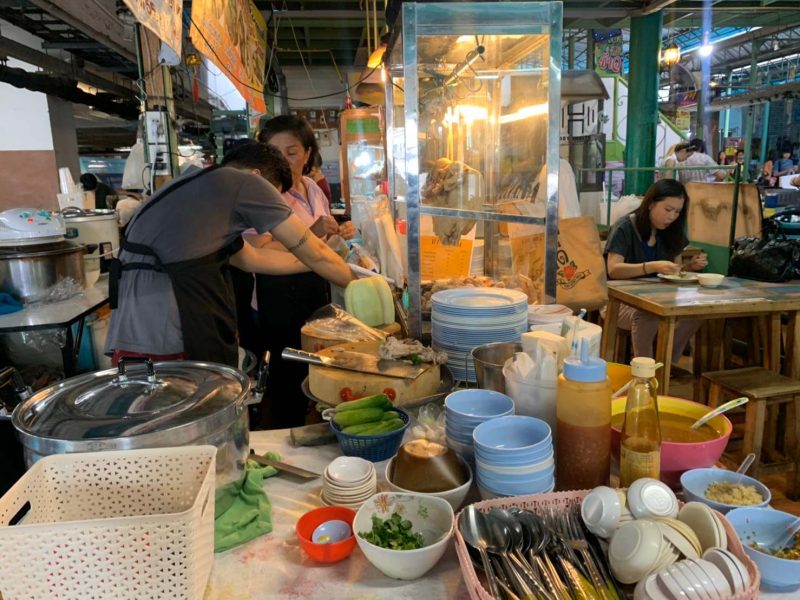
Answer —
580 268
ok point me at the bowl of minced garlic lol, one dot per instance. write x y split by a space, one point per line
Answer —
723 490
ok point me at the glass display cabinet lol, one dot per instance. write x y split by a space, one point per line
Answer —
473 115
363 164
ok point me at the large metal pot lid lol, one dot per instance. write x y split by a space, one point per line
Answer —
80 215
135 401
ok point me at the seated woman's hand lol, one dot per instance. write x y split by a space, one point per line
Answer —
347 230
324 226
698 262
663 267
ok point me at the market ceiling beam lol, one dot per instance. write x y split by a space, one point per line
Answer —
95 18
56 66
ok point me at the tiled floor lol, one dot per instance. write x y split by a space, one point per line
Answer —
777 482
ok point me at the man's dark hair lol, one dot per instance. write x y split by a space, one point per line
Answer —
268 160
698 144
88 181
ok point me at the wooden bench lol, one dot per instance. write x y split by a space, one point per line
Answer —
765 389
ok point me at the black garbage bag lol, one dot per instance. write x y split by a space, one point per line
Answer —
771 257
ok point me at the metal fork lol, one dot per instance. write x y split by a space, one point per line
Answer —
576 540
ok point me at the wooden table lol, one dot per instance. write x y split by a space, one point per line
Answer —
734 298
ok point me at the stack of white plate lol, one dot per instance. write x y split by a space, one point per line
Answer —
348 481
462 318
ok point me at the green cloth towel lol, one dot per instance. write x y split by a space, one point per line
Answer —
242 509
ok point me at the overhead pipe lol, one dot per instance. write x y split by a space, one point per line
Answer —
651 8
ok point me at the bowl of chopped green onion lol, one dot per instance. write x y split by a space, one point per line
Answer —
404 535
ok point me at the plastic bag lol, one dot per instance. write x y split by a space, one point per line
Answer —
334 321
772 257
430 425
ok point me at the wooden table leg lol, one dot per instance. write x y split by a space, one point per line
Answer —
773 350
609 338
754 432
794 451
666 335
792 366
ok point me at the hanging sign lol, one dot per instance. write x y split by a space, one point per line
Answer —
162 17
608 57
682 120
233 36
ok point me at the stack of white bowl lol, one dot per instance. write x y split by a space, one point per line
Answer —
348 481
514 457
465 410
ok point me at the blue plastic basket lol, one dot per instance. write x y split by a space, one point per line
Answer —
374 448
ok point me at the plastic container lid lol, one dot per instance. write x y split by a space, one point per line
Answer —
584 369
643 367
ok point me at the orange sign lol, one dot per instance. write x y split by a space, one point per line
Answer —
438 261
232 34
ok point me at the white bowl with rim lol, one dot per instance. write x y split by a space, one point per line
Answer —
709 280
634 550
430 516
349 470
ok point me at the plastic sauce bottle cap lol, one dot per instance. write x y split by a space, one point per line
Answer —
584 369
643 367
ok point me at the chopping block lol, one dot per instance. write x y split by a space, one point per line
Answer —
314 342
332 386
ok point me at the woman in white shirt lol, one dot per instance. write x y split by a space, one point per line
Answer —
286 301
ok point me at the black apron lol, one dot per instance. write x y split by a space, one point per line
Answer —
203 292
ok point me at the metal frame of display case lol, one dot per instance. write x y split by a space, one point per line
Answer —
472 19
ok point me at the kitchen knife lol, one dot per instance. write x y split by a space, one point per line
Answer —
357 361
282 466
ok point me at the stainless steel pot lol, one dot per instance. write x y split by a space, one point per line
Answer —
31 273
141 405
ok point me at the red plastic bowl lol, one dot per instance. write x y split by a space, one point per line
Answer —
326 553
677 458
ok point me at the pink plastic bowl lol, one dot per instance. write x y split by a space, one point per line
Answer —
676 458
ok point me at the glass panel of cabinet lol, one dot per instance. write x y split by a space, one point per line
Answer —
472 140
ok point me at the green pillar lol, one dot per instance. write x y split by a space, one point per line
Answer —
640 146
764 131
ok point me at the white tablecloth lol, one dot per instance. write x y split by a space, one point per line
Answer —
274 567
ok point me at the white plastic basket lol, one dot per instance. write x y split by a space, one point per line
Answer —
120 525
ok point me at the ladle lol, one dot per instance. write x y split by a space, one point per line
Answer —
474 528
722 408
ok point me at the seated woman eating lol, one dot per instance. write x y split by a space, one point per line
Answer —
647 242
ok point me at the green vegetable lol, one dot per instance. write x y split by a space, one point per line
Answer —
384 426
357 416
377 401
394 533
416 359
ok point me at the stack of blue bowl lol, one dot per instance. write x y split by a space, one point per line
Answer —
465 410
514 457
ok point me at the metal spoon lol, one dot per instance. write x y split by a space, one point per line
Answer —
500 544
518 546
475 531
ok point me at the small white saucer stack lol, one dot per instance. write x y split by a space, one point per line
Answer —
348 481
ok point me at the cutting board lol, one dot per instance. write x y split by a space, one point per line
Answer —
314 342
327 384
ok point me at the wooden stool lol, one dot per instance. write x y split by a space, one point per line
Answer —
765 389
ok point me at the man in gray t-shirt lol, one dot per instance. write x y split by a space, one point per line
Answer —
203 216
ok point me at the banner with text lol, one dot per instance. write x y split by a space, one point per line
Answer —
608 55
233 36
162 17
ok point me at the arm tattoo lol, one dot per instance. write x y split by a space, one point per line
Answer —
300 242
